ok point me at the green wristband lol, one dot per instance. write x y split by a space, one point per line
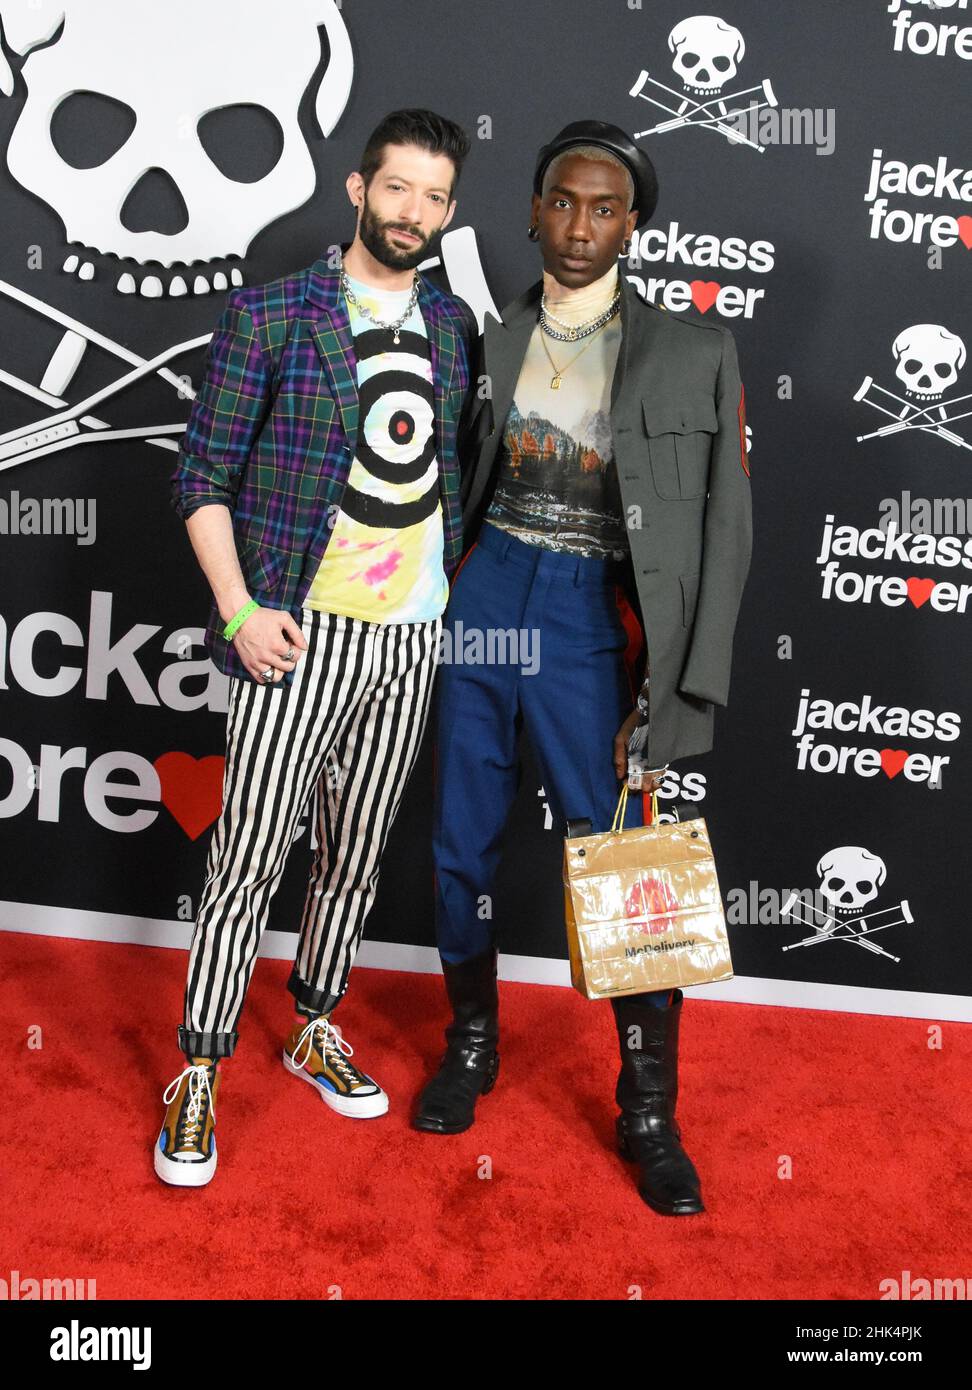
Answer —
239 618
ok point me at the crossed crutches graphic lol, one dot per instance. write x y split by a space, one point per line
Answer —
832 928
697 113
908 416
74 424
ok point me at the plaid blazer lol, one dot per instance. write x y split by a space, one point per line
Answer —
273 429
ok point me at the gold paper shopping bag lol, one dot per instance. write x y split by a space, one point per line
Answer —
643 907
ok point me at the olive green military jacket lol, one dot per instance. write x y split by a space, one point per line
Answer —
678 427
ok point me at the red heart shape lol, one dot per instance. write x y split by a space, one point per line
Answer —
920 590
649 895
893 760
964 224
704 294
192 789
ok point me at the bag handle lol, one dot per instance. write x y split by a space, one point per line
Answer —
622 806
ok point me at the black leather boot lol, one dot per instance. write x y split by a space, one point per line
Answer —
468 1069
646 1092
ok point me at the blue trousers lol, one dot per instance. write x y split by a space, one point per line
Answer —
570 689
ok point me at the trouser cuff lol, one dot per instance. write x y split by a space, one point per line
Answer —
311 1001
206 1044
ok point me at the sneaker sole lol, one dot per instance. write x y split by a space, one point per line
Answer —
368 1108
177 1174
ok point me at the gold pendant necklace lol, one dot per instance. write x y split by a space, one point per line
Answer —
555 380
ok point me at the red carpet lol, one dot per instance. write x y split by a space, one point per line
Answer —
875 1123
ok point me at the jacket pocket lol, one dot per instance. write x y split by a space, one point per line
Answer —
680 431
261 566
690 597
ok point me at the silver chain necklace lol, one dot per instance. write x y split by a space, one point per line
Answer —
575 331
365 312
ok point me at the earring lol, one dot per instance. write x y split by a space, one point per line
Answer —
532 232
626 247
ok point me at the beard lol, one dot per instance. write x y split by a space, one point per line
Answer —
372 232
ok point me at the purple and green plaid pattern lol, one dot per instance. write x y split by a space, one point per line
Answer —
272 432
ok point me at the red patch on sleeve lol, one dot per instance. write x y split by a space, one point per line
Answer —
636 638
742 429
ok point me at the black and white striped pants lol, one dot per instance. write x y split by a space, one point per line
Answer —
346 734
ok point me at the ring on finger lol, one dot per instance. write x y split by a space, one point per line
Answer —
267 675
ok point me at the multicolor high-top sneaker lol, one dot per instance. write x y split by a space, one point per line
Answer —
319 1054
185 1154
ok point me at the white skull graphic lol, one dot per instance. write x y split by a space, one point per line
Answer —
707 51
929 358
850 876
175 68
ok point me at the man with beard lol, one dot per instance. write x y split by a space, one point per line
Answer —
611 466
320 486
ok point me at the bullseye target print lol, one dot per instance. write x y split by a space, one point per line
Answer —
396 430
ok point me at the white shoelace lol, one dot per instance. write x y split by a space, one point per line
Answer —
330 1037
198 1080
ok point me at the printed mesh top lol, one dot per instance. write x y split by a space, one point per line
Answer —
558 485
383 561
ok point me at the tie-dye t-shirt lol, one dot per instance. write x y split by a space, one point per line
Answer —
383 561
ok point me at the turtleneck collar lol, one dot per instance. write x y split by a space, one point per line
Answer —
574 306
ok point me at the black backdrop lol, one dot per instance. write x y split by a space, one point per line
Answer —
834 299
